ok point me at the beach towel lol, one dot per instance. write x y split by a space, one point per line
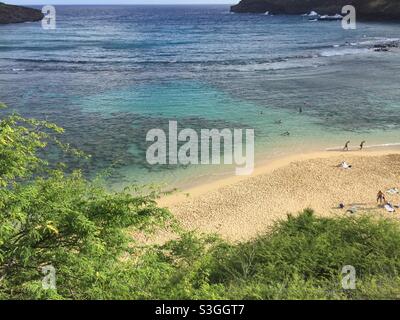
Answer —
393 191
345 165
352 210
389 208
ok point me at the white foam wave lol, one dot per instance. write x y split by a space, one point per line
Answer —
378 41
271 66
343 52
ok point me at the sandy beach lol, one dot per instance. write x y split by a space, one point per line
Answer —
239 208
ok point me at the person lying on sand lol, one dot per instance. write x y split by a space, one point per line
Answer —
389 207
362 145
346 146
345 165
380 197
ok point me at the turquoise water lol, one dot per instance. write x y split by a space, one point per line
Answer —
108 74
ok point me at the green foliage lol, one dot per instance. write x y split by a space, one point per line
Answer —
51 218
301 258
304 256
20 140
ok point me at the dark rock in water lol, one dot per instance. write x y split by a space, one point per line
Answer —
384 47
366 9
18 14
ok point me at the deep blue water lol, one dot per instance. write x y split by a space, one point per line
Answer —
110 73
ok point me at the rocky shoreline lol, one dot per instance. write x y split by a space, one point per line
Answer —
366 9
18 14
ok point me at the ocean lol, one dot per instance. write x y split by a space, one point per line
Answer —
108 74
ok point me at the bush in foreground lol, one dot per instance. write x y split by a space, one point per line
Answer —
50 219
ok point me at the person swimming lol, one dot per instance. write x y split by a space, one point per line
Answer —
301 108
286 134
362 145
346 146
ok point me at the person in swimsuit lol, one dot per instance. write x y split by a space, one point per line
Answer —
362 145
380 197
346 146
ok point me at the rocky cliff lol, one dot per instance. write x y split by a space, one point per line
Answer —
17 14
366 9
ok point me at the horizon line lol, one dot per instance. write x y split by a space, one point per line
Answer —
118 4
124 4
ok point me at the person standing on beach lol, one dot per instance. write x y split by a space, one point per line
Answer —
362 145
380 197
346 146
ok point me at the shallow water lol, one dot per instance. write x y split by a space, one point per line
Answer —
108 74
